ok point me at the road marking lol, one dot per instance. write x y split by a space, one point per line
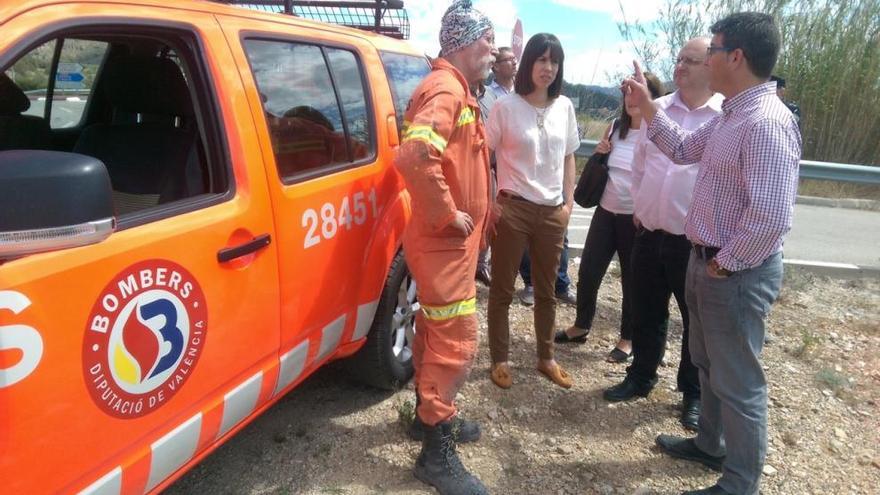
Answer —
807 263
823 264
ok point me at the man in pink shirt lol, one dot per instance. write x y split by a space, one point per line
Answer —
742 209
662 192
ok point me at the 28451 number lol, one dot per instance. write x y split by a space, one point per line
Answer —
352 211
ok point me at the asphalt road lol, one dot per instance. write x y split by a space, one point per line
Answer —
820 235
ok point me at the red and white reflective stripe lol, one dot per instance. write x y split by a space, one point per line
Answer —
365 315
109 484
330 336
292 365
178 447
174 450
240 403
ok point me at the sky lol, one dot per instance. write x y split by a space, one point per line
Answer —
594 48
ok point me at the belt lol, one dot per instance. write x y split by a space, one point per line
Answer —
662 232
507 194
705 252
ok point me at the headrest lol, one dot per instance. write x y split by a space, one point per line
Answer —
147 85
13 101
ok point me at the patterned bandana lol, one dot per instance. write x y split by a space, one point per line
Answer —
461 26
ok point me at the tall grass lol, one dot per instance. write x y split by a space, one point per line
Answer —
830 59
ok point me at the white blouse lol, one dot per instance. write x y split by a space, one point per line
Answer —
617 197
530 158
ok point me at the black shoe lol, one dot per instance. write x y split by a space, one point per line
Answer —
483 276
712 490
439 466
562 337
685 448
625 390
567 298
690 413
618 356
463 431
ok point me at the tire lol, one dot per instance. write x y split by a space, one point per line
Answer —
385 361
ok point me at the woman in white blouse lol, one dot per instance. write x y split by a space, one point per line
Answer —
611 230
533 132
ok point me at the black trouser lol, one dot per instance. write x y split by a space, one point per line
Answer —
609 233
659 266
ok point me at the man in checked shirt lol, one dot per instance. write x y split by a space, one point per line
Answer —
742 207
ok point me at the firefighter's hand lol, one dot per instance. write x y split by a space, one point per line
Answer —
462 224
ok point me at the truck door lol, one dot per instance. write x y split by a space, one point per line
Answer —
120 361
327 182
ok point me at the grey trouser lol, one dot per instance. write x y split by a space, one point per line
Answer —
726 337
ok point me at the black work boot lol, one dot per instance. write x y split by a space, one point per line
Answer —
439 466
463 431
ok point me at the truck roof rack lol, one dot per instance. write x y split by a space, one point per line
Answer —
386 17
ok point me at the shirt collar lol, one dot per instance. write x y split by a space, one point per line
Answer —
495 85
714 102
441 63
748 97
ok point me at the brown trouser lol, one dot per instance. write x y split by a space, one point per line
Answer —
541 229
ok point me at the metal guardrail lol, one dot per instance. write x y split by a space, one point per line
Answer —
839 172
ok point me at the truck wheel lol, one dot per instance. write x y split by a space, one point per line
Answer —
385 361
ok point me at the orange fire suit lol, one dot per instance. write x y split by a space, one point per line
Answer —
444 160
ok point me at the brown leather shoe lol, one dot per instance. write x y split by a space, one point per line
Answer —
557 375
500 375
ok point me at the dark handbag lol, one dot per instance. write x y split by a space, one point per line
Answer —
591 183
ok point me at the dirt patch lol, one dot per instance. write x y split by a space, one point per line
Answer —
331 436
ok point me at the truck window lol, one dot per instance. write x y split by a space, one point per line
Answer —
349 81
404 72
31 75
129 101
301 103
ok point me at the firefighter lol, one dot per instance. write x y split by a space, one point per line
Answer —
444 161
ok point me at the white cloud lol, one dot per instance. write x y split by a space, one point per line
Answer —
636 10
601 67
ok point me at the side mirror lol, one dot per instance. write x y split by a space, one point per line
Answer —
51 200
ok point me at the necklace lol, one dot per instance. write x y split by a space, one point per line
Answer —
540 115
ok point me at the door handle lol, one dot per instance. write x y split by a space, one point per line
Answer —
255 244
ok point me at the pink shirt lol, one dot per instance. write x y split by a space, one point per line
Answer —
747 181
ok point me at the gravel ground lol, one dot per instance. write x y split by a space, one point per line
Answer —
331 436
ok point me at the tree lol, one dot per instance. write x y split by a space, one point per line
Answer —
830 59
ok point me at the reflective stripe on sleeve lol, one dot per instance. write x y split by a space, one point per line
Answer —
460 308
467 117
425 133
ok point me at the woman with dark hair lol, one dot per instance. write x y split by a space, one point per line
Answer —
611 230
533 132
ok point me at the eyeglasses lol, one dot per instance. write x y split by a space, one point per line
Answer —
688 61
712 49
501 61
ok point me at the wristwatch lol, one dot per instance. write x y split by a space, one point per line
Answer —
718 269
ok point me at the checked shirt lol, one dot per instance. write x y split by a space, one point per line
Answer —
747 182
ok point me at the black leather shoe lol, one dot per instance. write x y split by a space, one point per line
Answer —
685 448
625 390
690 413
712 490
562 337
483 276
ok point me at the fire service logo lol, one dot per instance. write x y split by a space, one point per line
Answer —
143 338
